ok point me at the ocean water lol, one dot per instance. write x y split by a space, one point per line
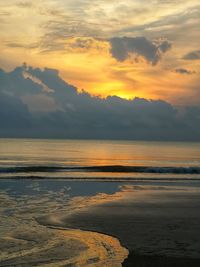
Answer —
99 160
63 178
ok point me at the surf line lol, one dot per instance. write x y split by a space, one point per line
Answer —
102 250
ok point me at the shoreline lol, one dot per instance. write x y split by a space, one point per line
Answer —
157 228
158 225
103 179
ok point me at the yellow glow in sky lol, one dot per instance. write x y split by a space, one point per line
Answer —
76 36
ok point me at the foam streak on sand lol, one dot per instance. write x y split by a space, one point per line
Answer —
43 229
76 247
25 242
102 250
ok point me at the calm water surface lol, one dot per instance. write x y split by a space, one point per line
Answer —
71 159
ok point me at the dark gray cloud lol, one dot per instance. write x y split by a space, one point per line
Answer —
14 116
184 71
123 47
194 55
76 115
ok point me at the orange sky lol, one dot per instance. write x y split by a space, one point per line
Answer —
75 37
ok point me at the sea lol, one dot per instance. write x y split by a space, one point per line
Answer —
100 160
56 179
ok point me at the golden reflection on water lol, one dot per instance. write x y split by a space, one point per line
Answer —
92 153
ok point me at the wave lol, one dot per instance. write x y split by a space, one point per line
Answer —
105 179
108 169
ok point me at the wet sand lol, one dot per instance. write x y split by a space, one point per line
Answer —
25 242
159 226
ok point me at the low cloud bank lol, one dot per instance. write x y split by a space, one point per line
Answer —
38 103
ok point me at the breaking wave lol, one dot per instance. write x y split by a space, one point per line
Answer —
105 169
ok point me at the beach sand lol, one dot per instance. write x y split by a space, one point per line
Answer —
25 242
160 226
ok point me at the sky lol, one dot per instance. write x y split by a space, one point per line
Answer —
127 48
38 103
100 69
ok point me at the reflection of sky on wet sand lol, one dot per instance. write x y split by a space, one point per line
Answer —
24 241
73 188
35 216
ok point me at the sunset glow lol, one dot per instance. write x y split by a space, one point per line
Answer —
78 39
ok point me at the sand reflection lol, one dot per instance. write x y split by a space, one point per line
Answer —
28 236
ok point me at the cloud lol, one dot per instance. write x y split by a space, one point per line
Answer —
14 115
184 71
58 19
22 45
194 55
123 47
25 4
171 25
27 110
64 28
